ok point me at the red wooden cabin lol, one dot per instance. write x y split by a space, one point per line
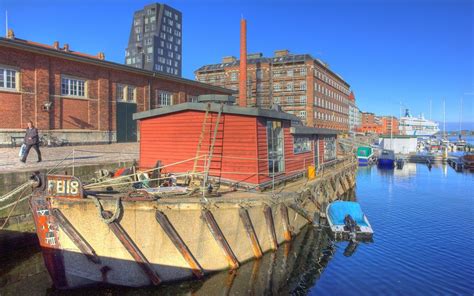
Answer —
251 144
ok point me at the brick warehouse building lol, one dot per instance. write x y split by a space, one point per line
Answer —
79 97
300 84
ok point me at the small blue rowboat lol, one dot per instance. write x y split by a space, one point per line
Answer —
347 221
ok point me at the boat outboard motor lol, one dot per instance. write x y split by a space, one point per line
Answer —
351 248
351 225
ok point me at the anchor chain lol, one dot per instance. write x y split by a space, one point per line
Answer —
116 214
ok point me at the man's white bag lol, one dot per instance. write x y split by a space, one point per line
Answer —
22 151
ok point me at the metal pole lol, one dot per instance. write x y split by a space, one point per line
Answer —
73 160
304 166
273 176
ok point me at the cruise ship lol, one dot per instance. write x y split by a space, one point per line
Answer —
417 126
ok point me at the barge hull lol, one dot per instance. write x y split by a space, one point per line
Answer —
137 250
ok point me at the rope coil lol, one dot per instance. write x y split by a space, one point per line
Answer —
116 214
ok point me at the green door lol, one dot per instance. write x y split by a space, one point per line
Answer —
126 126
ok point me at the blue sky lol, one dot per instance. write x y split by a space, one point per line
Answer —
388 51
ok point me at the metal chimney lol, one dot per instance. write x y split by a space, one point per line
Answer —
243 64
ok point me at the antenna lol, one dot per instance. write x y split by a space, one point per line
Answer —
6 23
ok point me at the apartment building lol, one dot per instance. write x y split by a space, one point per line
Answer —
300 84
155 42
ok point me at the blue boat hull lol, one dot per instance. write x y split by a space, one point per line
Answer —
363 161
386 163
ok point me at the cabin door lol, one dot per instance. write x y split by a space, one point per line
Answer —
276 154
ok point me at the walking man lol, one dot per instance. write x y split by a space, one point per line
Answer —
31 141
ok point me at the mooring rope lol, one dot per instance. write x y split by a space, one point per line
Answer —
146 171
116 213
15 191
14 207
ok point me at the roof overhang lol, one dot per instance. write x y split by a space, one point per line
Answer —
228 109
307 131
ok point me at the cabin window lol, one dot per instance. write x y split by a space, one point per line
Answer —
276 156
301 144
329 149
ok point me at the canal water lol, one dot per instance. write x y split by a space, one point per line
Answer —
423 245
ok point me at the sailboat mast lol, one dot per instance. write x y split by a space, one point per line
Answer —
391 133
444 117
460 118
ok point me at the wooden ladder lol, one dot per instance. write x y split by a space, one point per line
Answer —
210 151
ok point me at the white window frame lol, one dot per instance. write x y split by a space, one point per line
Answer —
73 87
128 93
164 98
13 77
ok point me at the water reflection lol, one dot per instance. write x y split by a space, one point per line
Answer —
292 269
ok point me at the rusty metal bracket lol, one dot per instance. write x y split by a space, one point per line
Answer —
244 216
286 223
220 239
271 227
75 236
302 212
179 244
134 251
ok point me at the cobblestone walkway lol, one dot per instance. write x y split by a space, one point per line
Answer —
79 155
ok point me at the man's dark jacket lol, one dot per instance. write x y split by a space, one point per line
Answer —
31 137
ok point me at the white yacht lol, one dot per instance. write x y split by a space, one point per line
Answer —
417 126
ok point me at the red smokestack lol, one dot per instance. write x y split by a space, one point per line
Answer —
243 64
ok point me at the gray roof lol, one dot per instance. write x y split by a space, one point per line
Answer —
228 109
307 130
291 58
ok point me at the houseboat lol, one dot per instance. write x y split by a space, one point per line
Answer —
224 184
365 155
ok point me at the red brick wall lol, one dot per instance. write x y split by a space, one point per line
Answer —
40 82
10 105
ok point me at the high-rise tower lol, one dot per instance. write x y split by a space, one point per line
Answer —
155 41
